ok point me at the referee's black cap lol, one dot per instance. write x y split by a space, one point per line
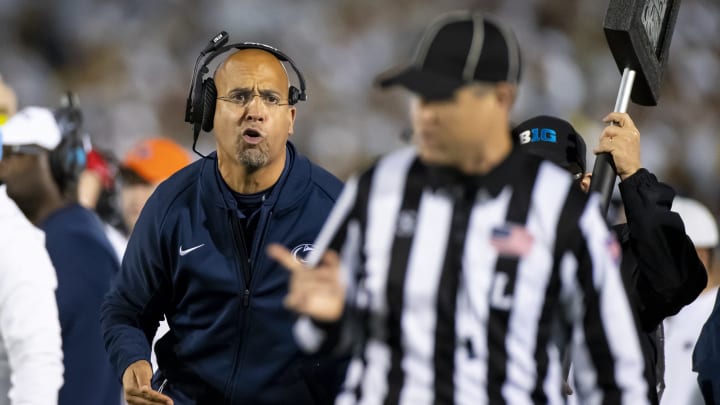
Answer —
553 139
458 48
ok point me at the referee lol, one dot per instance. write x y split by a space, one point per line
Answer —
465 265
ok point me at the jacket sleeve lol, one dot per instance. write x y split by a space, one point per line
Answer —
341 233
29 322
133 307
668 273
604 337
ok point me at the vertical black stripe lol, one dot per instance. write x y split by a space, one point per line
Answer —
358 210
522 191
395 285
593 325
359 319
567 228
445 339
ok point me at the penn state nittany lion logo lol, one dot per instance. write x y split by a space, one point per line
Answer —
301 252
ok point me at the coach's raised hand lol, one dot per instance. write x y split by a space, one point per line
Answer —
317 292
136 385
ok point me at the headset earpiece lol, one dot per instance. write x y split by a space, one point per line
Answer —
68 159
209 96
293 95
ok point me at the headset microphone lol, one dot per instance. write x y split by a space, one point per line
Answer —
217 41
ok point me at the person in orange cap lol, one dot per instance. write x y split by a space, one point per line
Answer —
146 165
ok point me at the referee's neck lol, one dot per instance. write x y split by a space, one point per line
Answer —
486 156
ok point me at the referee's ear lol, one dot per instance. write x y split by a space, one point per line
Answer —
506 93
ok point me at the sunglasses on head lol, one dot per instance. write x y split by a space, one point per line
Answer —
19 150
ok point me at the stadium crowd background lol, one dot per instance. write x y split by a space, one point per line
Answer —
131 62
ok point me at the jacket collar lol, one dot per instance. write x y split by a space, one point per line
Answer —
293 184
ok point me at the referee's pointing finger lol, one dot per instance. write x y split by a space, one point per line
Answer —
284 257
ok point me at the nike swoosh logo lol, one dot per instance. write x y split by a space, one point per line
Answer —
186 251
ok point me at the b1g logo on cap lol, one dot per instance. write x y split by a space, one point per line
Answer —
301 252
538 135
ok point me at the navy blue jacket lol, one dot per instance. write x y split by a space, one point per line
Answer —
706 356
85 263
230 339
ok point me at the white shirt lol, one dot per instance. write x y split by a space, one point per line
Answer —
117 240
31 368
681 334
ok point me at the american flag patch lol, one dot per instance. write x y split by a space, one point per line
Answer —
511 240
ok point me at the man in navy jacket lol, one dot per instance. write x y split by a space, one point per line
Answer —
196 255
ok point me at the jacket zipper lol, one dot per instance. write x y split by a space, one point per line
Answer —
245 262
256 249
241 251
248 279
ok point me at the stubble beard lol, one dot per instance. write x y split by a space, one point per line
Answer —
252 157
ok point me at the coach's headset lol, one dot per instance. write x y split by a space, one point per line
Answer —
68 159
200 105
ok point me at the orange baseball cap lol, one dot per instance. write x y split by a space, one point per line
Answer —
156 159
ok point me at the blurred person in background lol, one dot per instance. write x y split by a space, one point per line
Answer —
660 268
196 255
706 356
31 365
8 101
43 156
98 191
147 164
683 329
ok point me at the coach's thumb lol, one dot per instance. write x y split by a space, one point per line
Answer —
137 375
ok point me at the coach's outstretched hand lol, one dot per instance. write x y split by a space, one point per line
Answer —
317 292
136 385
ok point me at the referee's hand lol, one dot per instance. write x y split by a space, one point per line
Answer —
136 385
316 292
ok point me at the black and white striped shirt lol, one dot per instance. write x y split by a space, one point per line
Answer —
467 289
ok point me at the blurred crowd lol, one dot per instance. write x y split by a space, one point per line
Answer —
131 63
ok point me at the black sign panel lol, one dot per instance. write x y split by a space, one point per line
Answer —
639 33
